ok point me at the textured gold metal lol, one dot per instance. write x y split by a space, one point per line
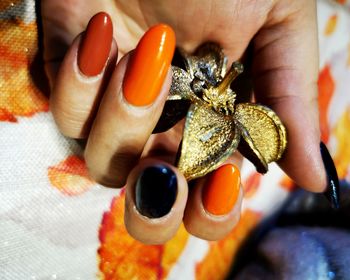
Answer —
264 128
209 138
215 125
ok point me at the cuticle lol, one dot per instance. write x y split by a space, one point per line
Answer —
224 216
154 220
84 78
215 217
204 210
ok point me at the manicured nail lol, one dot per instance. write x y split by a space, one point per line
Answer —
332 191
149 65
221 190
156 191
96 45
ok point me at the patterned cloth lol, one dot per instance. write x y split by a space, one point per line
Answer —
56 223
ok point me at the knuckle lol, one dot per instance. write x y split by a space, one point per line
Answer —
71 120
114 174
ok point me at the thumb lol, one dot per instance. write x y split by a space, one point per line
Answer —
285 70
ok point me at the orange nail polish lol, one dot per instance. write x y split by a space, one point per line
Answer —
96 45
149 65
221 190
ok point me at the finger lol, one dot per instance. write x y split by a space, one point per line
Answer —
156 195
285 76
131 108
61 23
214 204
80 80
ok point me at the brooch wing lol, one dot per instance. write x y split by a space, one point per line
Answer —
263 134
208 140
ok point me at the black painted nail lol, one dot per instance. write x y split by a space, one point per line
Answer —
156 191
332 192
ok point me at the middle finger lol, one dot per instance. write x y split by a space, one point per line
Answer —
131 107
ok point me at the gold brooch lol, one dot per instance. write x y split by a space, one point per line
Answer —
216 124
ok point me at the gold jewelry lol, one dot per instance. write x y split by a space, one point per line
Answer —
215 125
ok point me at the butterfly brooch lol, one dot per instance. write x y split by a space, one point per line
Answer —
217 123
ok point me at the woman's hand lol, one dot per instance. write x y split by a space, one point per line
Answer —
115 106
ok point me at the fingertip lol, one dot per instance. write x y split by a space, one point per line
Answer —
81 77
302 159
220 192
148 68
95 46
332 191
214 204
156 195
74 98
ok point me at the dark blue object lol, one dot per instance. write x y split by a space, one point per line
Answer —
156 191
332 192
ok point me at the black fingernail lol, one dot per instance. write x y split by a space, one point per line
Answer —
156 191
332 192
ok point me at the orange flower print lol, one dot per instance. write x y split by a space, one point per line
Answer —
326 86
220 256
70 176
288 184
342 154
7 116
331 25
251 184
19 96
5 4
342 2
122 257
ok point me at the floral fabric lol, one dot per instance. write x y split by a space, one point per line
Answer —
56 223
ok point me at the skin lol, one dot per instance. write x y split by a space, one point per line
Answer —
283 35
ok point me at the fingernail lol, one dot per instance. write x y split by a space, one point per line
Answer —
221 190
149 65
96 45
332 191
156 191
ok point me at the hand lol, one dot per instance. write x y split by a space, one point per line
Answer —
116 106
